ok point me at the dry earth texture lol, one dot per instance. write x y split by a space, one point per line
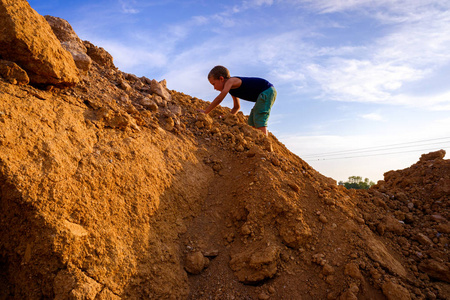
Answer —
114 187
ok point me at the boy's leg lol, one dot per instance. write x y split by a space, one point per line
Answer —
263 129
261 111
251 122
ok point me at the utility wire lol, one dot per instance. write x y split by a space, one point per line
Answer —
379 154
384 149
380 148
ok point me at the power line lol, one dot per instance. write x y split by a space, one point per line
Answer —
380 148
378 154
384 149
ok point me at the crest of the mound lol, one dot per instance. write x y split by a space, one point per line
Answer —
28 40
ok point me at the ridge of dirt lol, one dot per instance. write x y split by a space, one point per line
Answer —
117 188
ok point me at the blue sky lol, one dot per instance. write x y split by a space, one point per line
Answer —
350 74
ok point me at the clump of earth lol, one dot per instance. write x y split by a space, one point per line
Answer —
115 187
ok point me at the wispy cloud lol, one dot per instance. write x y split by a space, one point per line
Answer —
372 117
129 6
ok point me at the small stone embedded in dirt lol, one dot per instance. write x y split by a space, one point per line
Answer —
352 270
149 104
323 219
394 291
327 269
253 151
195 262
435 269
424 240
275 161
392 224
294 187
211 253
169 124
255 264
12 73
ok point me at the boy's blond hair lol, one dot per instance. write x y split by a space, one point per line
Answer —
218 71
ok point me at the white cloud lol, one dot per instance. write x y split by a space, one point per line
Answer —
391 7
372 117
128 6
129 57
412 52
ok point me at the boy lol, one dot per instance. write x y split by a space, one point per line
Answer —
252 89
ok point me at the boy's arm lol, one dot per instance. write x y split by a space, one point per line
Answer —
237 105
216 101
228 85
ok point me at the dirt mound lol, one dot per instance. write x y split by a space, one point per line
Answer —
410 211
118 188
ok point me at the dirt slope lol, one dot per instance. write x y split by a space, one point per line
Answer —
118 188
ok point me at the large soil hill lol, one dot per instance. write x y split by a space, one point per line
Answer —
114 187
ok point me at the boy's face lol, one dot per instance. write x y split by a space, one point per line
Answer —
217 83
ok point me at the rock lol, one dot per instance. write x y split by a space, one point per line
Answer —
74 284
159 89
323 219
239 148
424 240
255 264
294 187
175 109
195 262
395 291
70 41
12 73
211 253
443 228
99 55
204 121
393 225
149 104
432 156
121 121
294 232
327 270
123 85
253 151
75 229
438 218
275 161
352 270
381 228
378 252
436 270
231 120
351 293
268 145
106 294
28 40
169 124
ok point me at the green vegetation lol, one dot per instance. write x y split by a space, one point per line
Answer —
357 183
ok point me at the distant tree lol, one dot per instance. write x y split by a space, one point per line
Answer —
357 183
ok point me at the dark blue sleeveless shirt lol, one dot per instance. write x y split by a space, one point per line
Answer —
250 88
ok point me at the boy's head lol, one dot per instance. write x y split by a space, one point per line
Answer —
219 71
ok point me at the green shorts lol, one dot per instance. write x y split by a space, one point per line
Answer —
259 116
